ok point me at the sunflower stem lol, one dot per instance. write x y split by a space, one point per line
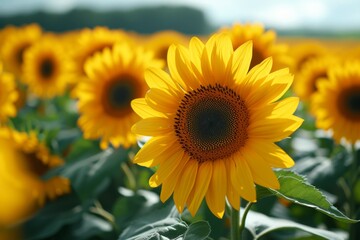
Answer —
242 225
130 176
235 220
352 205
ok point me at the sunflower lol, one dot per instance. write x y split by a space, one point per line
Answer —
115 77
213 124
8 96
24 161
305 50
47 68
336 104
14 45
264 43
159 42
311 72
88 42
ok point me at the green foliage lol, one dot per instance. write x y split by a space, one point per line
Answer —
294 188
260 225
143 20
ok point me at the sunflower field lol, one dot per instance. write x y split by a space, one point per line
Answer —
238 134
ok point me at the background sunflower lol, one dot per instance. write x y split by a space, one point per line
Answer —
115 77
336 105
24 162
8 95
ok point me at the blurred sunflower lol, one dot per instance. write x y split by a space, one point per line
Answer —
24 160
311 72
264 44
47 67
336 104
4 32
14 45
115 77
88 42
8 96
159 42
305 50
213 124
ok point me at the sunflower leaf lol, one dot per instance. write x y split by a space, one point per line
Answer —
260 225
296 189
164 223
198 230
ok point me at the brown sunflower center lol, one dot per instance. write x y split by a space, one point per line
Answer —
47 68
349 101
19 56
257 57
118 94
315 79
34 165
211 123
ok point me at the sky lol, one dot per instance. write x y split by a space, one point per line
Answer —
282 14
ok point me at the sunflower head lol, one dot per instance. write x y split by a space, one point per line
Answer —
264 43
88 43
213 124
114 78
25 161
8 96
336 104
160 42
47 68
311 72
305 50
15 44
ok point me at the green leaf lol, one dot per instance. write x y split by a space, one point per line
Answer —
296 189
156 226
89 176
164 223
324 172
88 227
261 225
53 216
199 230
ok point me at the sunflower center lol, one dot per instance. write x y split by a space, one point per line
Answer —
20 53
211 123
315 79
350 103
257 57
118 95
47 68
34 165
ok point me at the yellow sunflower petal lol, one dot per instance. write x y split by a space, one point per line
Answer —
185 185
261 170
242 59
161 101
146 127
275 156
202 182
176 176
247 187
149 154
171 160
215 197
142 109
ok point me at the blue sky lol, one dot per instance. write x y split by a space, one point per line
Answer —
282 14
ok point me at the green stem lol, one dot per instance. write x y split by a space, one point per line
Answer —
352 205
130 176
235 220
99 210
247 209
